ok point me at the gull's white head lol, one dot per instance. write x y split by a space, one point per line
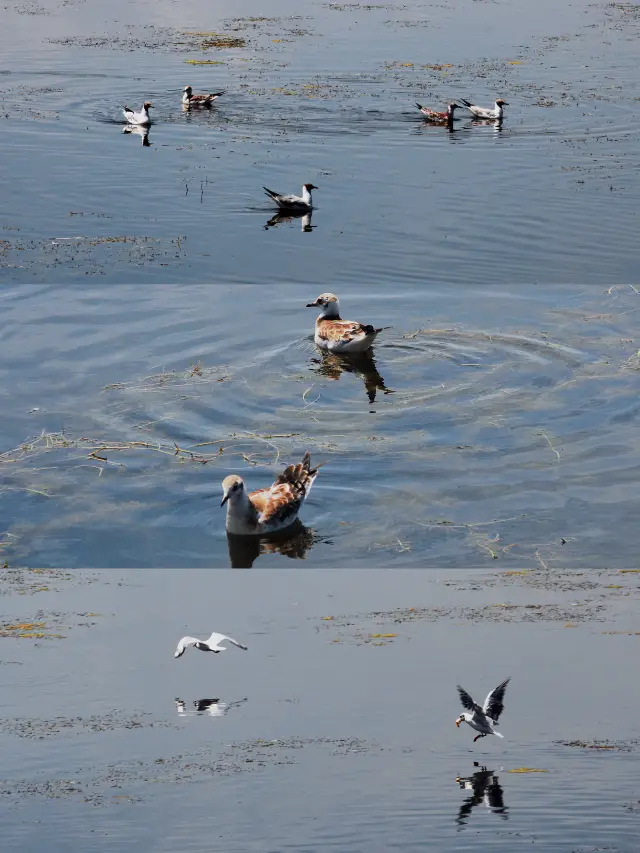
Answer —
328 305
232 489
462 719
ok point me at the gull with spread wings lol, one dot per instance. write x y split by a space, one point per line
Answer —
483 719
212 644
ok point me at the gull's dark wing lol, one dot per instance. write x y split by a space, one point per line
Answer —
467 701
494 703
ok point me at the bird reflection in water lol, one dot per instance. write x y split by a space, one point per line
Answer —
212 707
293 542
361 364
138 131
485 788
289 216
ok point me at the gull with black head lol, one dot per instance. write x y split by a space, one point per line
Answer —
483 719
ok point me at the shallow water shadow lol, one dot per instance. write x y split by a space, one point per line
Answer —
212 707
362 364
294 542
281 217
139 131
486 788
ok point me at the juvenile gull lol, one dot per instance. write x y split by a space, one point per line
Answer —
436 117
485 112
337 335
483 719
293 202
191 100
268 510
142 118
212 644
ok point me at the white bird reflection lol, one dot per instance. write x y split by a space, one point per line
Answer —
212 707
139 131
294 542
484 787
289 216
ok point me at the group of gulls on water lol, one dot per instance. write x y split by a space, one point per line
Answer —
481 718
276 508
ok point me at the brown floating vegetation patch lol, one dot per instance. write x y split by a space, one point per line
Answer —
527 770
213 39
604 745
109 722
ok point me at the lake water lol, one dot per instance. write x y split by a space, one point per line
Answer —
335 730
153 330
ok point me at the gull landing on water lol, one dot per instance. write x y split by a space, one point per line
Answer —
483 719
268 510
293 202
439 118
142 118
212 644
486 112
191 100
337 335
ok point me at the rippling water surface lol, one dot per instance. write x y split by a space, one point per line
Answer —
335 730
153 332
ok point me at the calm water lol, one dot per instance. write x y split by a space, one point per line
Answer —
331 739
144 300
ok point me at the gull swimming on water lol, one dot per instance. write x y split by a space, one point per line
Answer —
141 118
436 117
483 719
337 335
485 112
295 202
212 644
191 100
268 510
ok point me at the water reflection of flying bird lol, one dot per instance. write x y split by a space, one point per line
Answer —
268 510
486 788
361 364
436 117
142 118
294 542
485 112
483 719
337 335
139 131
191 100
288 216
295 202
212 644
212 707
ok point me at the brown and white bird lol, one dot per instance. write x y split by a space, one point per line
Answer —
334 334
436 117
191 100
268 510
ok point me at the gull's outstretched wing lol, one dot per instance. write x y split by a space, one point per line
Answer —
216 639
494 703
184 644
467 701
